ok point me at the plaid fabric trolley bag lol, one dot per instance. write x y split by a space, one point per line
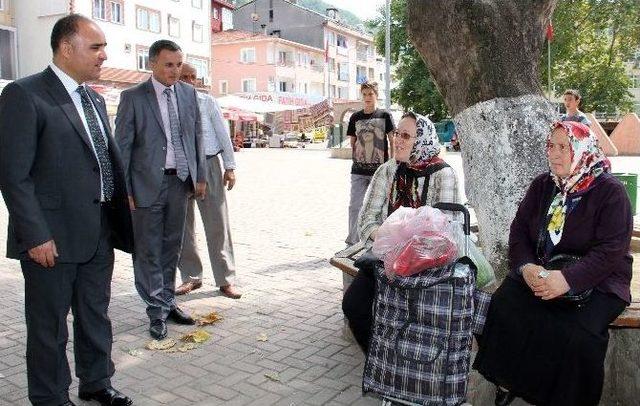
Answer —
420 347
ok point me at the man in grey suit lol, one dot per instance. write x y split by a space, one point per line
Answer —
62 180
213 208
160 135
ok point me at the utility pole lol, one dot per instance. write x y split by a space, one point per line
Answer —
387 56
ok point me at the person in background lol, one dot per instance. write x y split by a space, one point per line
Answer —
572 101
370 131
213 208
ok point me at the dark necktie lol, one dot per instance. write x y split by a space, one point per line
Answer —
99 144
182 169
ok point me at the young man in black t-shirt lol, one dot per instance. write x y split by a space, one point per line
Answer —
370 130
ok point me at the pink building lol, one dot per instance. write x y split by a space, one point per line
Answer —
244 62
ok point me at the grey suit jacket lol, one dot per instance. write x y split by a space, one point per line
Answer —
143 143
49 174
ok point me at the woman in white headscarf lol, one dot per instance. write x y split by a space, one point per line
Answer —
414 177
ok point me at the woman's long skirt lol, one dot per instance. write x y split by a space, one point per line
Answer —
546 352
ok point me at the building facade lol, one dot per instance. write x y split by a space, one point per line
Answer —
130 27
221 15
256 63
350 53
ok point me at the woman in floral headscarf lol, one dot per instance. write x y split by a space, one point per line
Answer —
398 182
546 333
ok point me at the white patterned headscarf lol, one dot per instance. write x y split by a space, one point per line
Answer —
427 145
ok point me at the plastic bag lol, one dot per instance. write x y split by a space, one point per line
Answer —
485 274
413 240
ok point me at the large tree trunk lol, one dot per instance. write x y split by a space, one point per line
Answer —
484 57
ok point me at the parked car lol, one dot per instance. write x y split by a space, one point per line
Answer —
291 141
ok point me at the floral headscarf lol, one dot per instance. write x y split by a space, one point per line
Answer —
587 163
404 189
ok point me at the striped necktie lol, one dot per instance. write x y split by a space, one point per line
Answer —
182 168
99 144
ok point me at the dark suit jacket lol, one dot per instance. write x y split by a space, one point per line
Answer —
141 136
598 229
49 174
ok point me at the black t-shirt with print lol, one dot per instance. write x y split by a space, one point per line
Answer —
371 148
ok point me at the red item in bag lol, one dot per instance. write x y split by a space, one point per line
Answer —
430 249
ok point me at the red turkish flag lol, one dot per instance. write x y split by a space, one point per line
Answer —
549 33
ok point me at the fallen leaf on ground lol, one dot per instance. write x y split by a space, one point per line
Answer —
274 376
187 347
262 337
197 336
209 319
134 352
161 345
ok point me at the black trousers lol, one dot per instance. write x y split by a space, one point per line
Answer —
357 306
49 295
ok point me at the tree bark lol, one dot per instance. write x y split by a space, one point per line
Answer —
484 56
478 50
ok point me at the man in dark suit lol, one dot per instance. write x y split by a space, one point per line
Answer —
160 135
62 180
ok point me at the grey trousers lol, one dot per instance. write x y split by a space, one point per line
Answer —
49 294
359 185
157 233
215 219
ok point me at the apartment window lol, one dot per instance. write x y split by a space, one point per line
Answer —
196 3
284 86
197 32
248 55
343 71
271 84
143 59
332 65
343 93
201 66
215 13
223 86
99 10
270 16
117 12
148 20
174 26
249 85
331 38
371 74
341 41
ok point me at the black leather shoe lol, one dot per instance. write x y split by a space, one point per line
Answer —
158 329
107 397
503 397
178 316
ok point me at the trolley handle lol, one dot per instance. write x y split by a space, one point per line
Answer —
457 207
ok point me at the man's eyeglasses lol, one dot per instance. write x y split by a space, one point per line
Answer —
404 136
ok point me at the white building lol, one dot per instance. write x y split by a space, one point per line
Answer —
130 27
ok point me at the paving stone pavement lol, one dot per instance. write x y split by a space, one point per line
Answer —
288 215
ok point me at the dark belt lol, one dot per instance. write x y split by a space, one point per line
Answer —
170 171
216 154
